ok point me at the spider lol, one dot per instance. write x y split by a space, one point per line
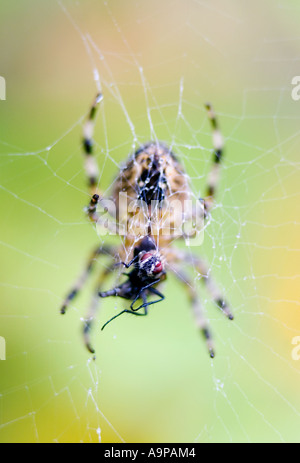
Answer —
152 173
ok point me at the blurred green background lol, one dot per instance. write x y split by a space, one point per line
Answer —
152 380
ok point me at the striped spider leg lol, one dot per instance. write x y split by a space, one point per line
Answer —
218 147
104 251
176 259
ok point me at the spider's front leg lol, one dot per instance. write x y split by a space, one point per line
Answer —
218 146
206 204
92 171
90 165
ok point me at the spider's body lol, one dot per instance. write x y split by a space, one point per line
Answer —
149 181
152 174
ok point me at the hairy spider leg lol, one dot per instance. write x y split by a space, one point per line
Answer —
200 319
91 314
90 165
104 250
218 146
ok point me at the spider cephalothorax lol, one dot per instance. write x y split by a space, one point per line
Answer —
152 174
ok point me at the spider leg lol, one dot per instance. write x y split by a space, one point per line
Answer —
92 171
92 208
214 175
105 220
218 146
177 256
84 276
91 315
210 285
91 168
197 309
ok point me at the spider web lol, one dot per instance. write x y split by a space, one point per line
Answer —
156 63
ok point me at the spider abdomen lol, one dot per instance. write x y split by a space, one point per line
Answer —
151 178
152 173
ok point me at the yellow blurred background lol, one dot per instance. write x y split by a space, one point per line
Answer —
157 61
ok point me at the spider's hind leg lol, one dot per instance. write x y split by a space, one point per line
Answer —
211 287
91 315
200 319
202 268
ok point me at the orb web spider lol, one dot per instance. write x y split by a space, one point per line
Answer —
152 173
